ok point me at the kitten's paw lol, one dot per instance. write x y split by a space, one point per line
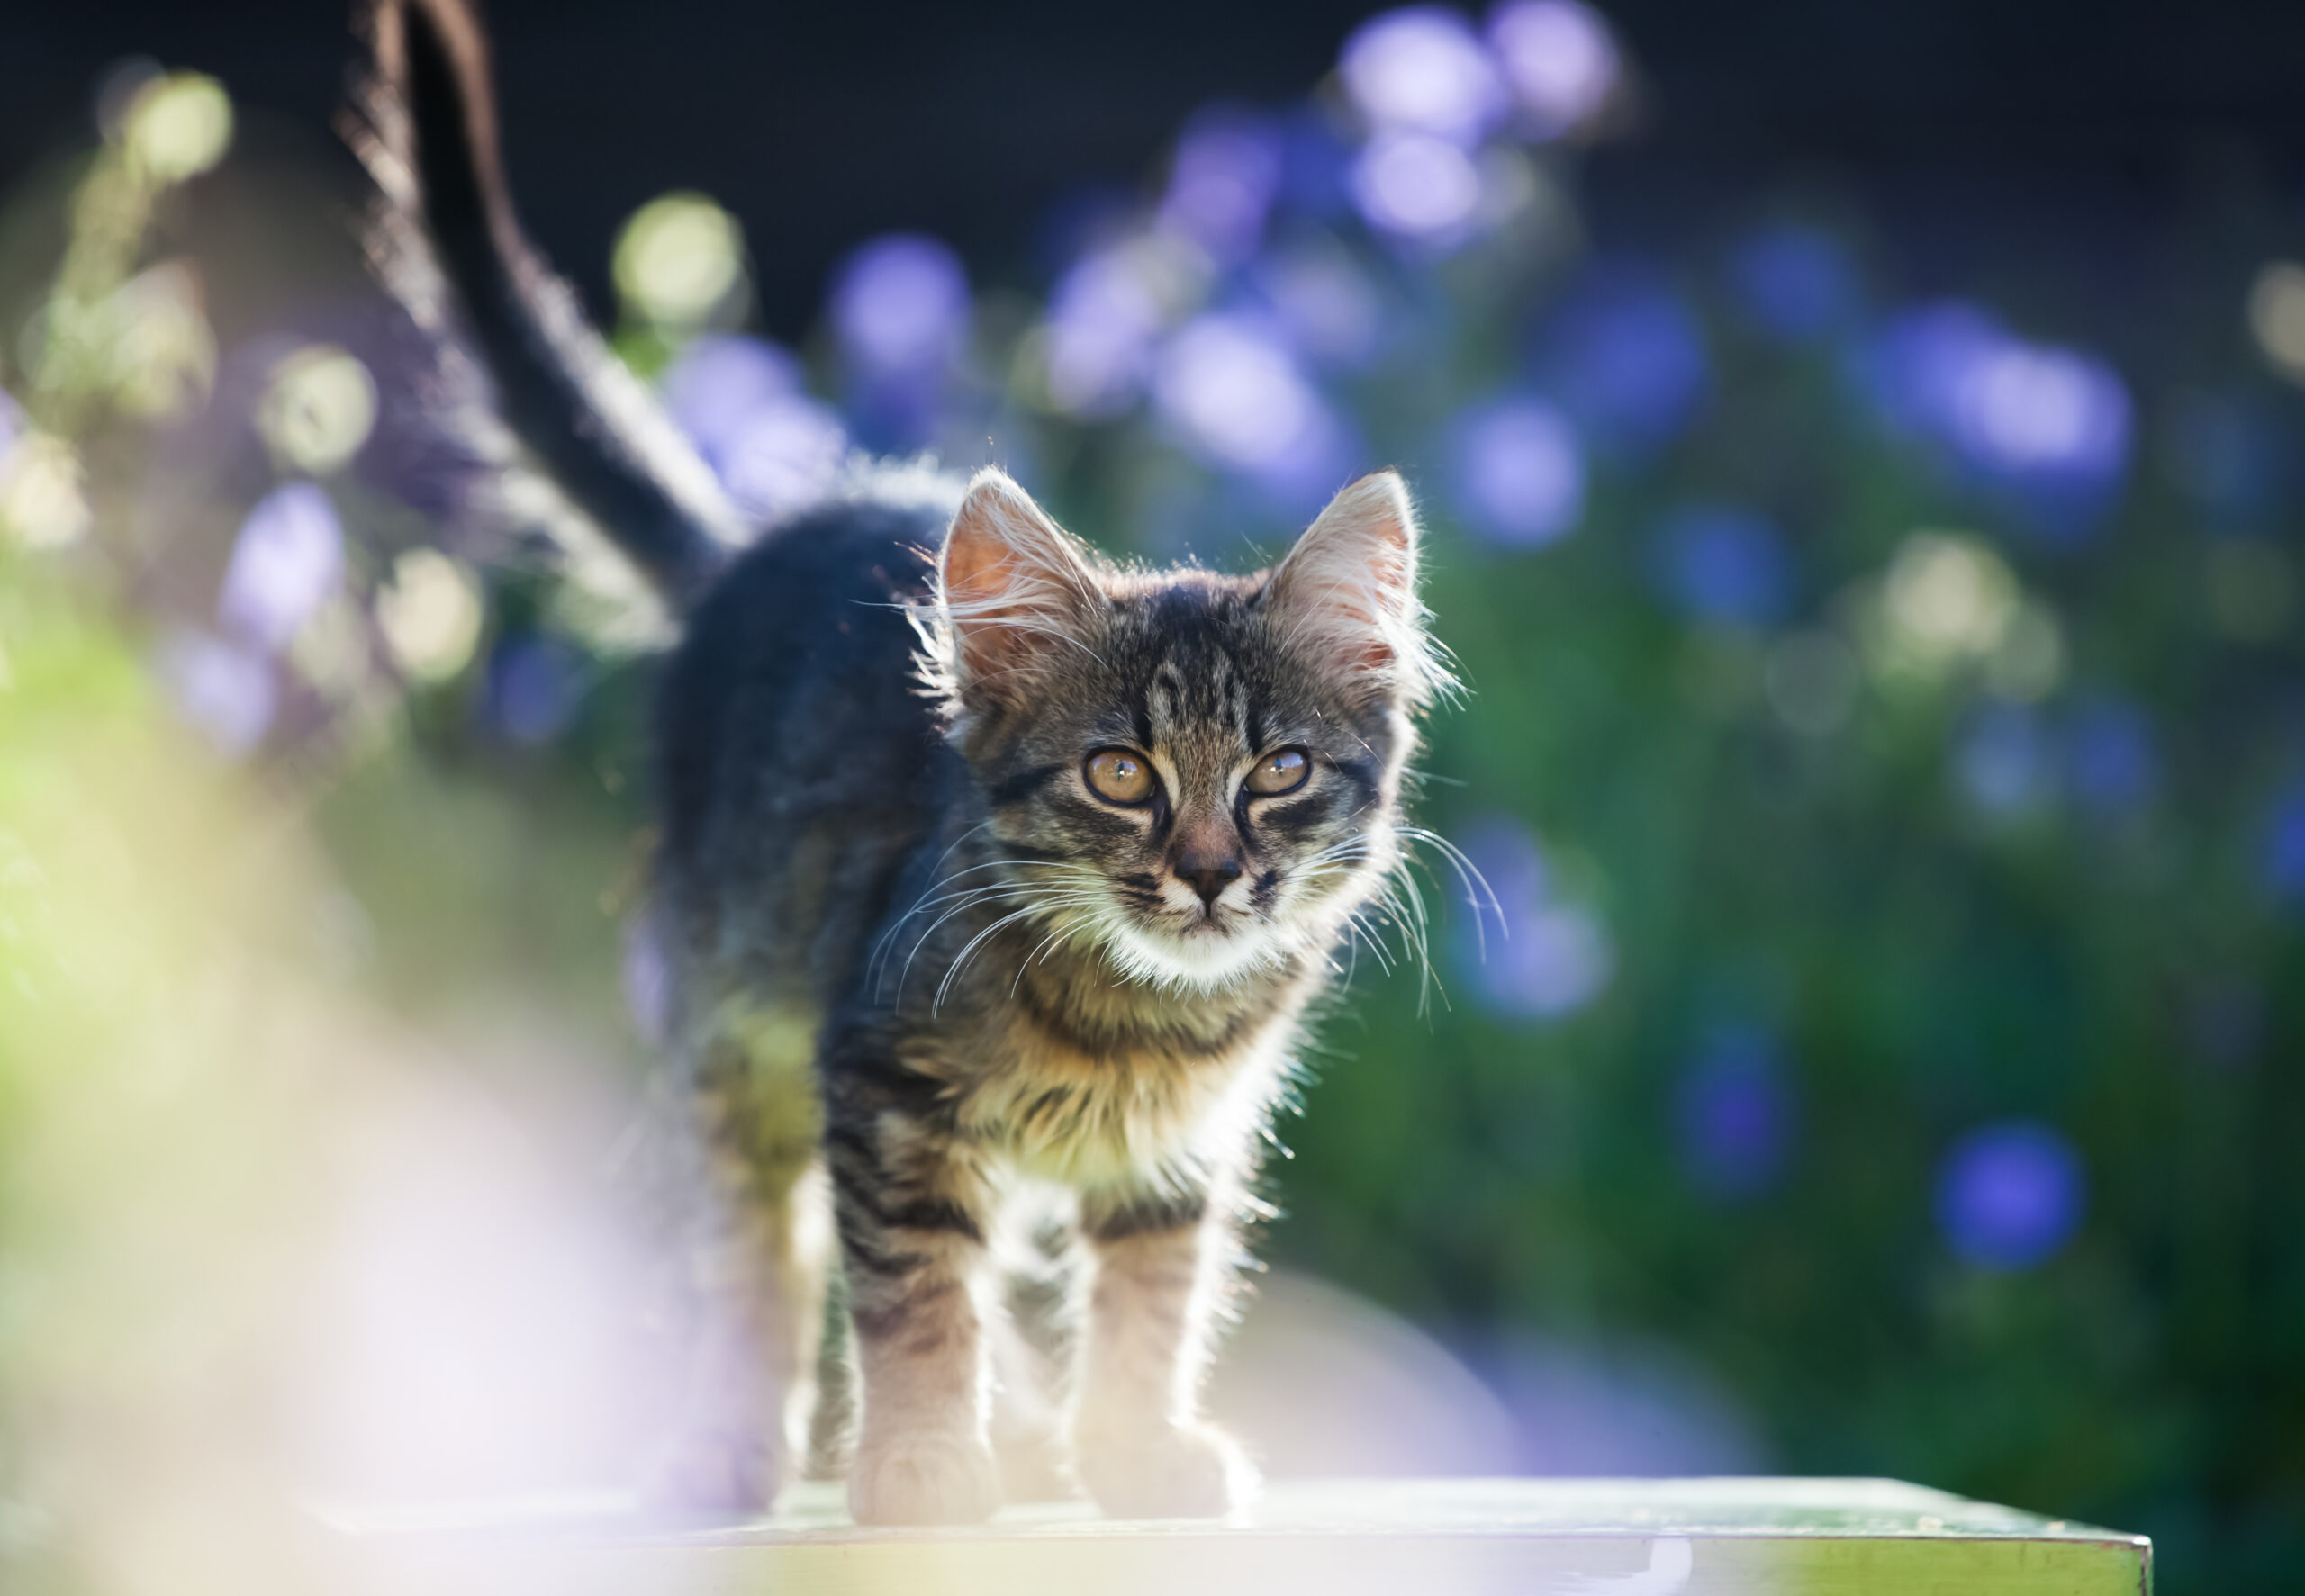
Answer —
713 1473
1184 1471
933 1477
1035 1465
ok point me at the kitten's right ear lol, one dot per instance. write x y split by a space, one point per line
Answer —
1015 586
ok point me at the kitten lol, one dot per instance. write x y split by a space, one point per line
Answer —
987 868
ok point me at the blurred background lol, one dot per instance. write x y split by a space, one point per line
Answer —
1860 451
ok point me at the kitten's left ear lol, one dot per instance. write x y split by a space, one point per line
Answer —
1015 586
1347 592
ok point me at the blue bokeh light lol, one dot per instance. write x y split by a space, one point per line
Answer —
1104 320
720 381
2110 757
786 457
741 400
1222 181
1719 562
2004 763
1421 70
1315 166
2010 1194
288 558
1231 389
1548 958
901 305
900 308
1794 282
1418 186
225 690
1518 474
1628 356
1326 302
2284 847
1560 60
1734 1112
534 684
2051 426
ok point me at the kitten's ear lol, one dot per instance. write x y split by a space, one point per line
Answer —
1015 586
1347 593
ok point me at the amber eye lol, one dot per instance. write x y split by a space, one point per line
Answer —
1280 772
1118 776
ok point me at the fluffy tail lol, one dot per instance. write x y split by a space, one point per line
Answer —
428 132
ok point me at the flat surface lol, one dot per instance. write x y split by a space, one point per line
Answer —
1628 1537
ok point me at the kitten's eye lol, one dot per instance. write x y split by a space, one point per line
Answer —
1118 776
1280 772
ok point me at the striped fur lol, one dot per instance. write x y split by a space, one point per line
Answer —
1014 989
926 980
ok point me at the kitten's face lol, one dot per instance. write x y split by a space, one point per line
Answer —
1195 773
1203 805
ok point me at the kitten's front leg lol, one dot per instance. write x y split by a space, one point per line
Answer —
1163 1265
912 1209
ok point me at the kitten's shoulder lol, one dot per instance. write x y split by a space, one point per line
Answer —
875 536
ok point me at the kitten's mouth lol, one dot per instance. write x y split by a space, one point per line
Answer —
1209 920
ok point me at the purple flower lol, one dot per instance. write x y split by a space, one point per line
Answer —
1558 58
1734 1112
1519 475
1104 318
1314 162
1923 360
1421 70
1794 282
720 381
225 690
1723 563
288 559
901 309
1629 358
1232 388
2284 847
2031 411
785 457
1325 303
901 305
2010 1194
1546 958
534 683
1418 186
1222 181
2051 424
2108 755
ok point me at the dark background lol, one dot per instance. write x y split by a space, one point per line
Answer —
1998 139
1847 925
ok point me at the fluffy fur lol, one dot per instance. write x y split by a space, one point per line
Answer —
922 970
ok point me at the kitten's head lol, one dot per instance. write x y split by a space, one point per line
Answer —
1199 773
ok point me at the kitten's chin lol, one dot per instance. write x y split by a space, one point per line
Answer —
1203 960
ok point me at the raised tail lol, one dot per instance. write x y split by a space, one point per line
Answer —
429 138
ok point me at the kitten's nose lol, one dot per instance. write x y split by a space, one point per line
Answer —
1208 876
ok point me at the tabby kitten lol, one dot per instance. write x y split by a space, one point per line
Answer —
988 868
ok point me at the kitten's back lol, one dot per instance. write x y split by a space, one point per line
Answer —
798 759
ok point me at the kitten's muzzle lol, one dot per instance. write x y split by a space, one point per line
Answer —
1208 876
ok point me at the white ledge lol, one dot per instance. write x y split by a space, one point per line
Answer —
1447 1537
